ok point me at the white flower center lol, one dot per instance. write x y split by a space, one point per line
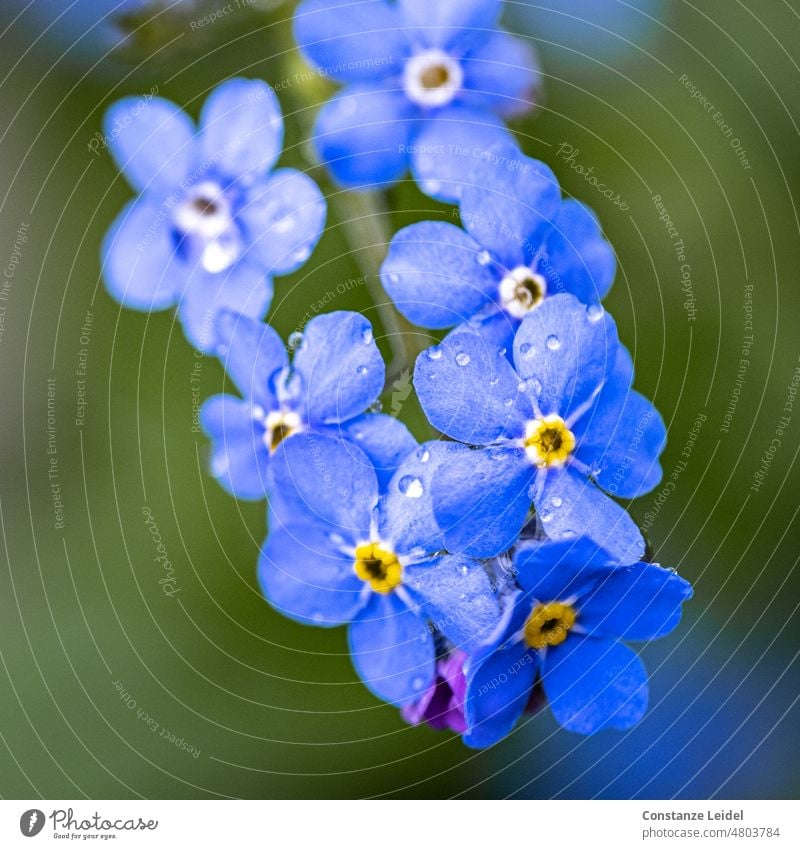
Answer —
432 78
205 218
278 426
521 291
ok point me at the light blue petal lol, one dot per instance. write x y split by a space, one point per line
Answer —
641 603
446 23
566 351
284 218
351 40
623 449
243 289
502 74
434 274
341 366
569 505
481 499
455 595
507 203
241 129
494 325
593 684
579 260
407 521
315 478
500 678
363 135
239 458
141 268
470 391
392 650
250 352
305 577
152 142
384 439
448 146
552 571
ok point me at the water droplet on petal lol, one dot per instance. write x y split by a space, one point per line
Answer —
361 370
595 312
522 386
545 515
410 486
484 258
366 335
508 402
423 455
494 381
553 343
501 352
556 501
394 278
375 407
434 353
463 358
526 349
465 570
295 340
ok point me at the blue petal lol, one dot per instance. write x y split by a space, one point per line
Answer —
384 439
250 352
550 570
152 142
506 202
641 603
447 147
481 499
567 350
241 129
350 40
304 577
502 74
446 23
499 680
341 365
239 458
141 268
569 505
392 650
470 391
284 217
407 521
242 289
622 447
579 259
594 683
362 135
433 274
455 595
317 478
494 325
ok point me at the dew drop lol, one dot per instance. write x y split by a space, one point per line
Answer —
410 486
494 381
545 515
594 312
434 353
295 340
556 501
501 352
375 407
484 258
464 570
423 455
463 358
508 402
553 343
526 349
522 386
361 370
394 278
366 335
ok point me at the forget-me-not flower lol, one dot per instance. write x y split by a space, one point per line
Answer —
341 549
213 222
554 430
520 244
336 374
426 84
565 629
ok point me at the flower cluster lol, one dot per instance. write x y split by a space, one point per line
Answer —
481 574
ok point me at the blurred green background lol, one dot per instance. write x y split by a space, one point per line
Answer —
247 704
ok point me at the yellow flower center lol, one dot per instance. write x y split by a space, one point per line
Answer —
379 567
279 426
549 624
548 441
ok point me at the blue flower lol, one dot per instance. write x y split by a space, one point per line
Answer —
564 630
521 244
425 84
213 223
554 429
336 374
340 552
